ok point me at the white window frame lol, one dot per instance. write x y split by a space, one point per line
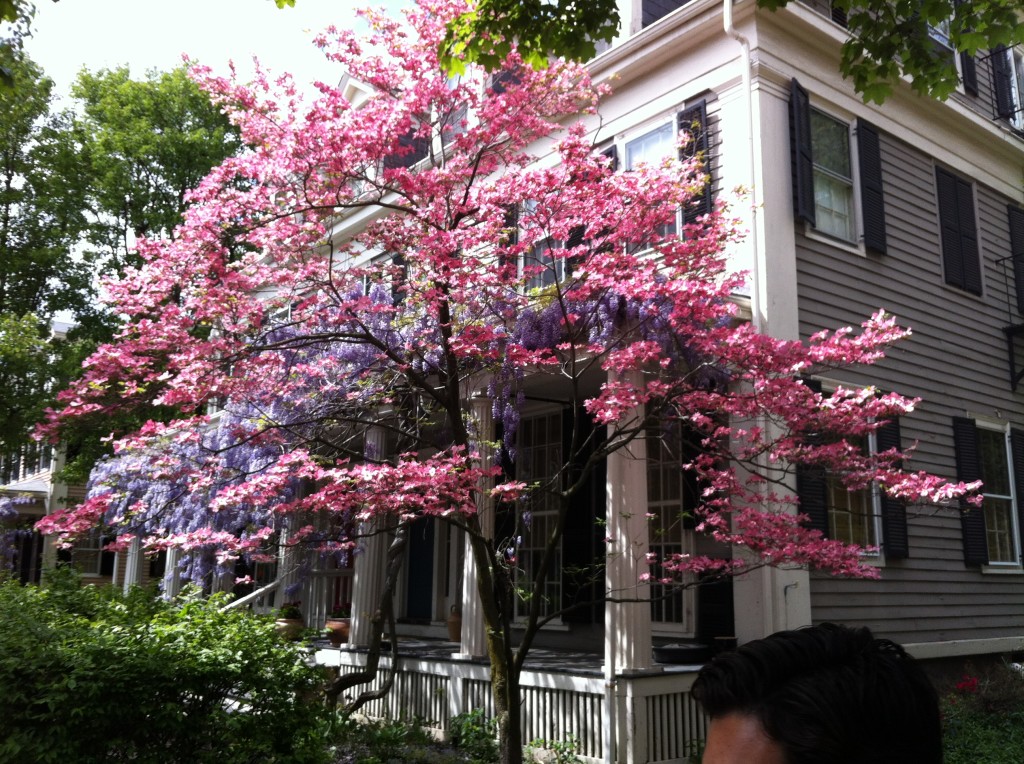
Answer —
662 466
856 241
637 134
522 546
92 545
1014 564
873 504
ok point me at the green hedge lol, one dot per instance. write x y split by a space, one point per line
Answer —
88 675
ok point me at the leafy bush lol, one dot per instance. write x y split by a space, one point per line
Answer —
984 718
475 734
89 675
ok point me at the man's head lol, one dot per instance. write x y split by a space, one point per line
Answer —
822 695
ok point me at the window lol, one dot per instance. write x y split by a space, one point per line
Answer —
994 454
651 149
89 556
828 170
867 517
1008 83
545 268
852 515
538 461
833 176
671 499
960 256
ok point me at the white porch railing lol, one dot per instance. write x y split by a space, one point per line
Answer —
658 722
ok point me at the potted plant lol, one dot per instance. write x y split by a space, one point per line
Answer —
339 622
455 623
289 621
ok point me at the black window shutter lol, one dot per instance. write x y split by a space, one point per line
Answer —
968 236
1002 82
812 489
694 120
811 483
969 71
968 469
802 155
959 235
872 201
1017 446
1016 216
895 540
952 259
412 148
612 153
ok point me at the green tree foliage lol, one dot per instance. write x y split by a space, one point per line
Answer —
566 28
76 190
93 676
42 216
889 39
148 142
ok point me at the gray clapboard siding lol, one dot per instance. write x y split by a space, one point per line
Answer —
956 361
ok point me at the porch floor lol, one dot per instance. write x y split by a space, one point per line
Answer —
548 660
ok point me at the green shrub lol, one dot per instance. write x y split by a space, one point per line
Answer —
476 735
89 675
983 718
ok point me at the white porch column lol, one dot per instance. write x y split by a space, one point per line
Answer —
368 566
474 636
172 576
627 625
133 565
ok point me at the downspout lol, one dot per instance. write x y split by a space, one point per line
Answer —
755 288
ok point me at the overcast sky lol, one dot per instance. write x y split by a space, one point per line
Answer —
149 34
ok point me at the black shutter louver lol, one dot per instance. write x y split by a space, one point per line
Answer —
968 469
872 199
1016 218
694 120
802 155
895 539
1002 81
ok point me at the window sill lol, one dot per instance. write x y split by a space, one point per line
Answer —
814 234
1002 570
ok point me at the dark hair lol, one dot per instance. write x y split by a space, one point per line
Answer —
830 694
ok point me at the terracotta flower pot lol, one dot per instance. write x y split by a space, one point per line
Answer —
289 628
338 630
455 626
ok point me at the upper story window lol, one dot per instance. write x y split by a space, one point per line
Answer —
960 253
990 451
651 149
834 209
833 160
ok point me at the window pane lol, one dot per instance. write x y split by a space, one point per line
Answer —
650 148
830 144
999 530
833 206
850 515
994 470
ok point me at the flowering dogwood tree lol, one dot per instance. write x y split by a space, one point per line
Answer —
380 264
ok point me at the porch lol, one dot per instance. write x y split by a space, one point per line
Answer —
651 719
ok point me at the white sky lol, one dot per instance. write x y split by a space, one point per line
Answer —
146 34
